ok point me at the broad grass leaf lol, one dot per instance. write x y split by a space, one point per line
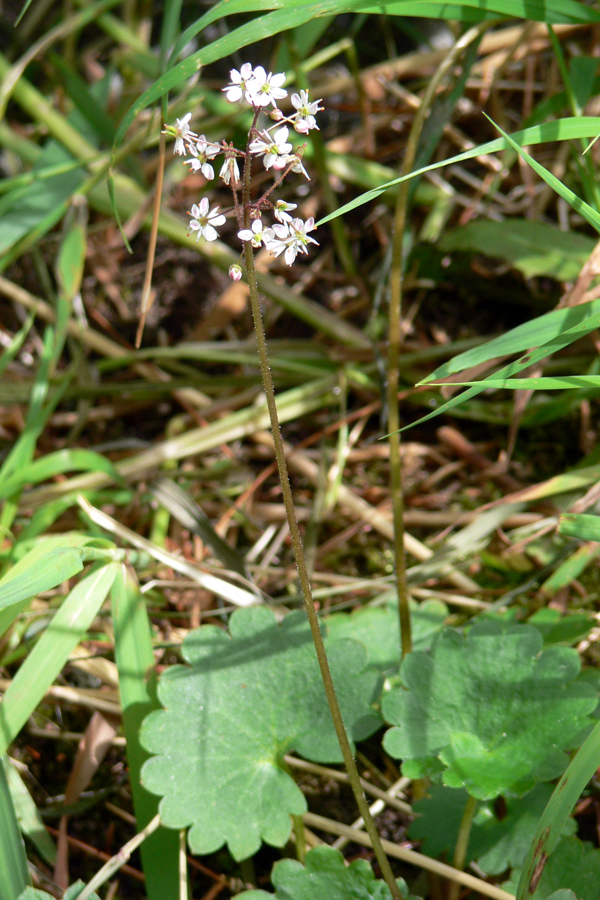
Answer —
529 359
378 628
28 816
60 461
552 11
493 709
325 874
67 628
558 130
241 704
137 689
530 334
580 525
24 209
41 570
558 629
14 874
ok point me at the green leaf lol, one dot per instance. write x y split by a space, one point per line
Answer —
496 844
36 572
70 894
493 708
439 816
582 526
14 876
558 629
137 689
543 383
534 248
553 11
12 348
30 821
378 628
325 874
58 462
581 768
49 655
563 894
523 337
529 359
51 561
503 843
591 216
574 864
243 702
557 130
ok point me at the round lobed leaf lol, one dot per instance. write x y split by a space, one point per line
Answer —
325 874
493 710
241 704
378 628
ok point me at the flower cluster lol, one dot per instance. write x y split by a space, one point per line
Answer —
288 235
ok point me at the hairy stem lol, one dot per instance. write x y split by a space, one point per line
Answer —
298 549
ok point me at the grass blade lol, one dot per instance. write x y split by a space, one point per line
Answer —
558 810
28 817
51 652
14 876
584 527
137 686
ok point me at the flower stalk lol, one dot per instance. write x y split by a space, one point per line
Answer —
288 235
298 548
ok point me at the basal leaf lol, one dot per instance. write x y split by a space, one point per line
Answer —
439 815
325 874
493 709
241 704
563 894
378 628
575 865
495 843
503 843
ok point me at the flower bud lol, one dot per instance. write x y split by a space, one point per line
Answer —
276 115
235 272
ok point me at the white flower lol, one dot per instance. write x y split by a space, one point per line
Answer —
290 238
297 165
237 87
275 238
263 89
202 152
274 149
304 120
235 272
181 132
225 173
282 210
254 234
204 221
